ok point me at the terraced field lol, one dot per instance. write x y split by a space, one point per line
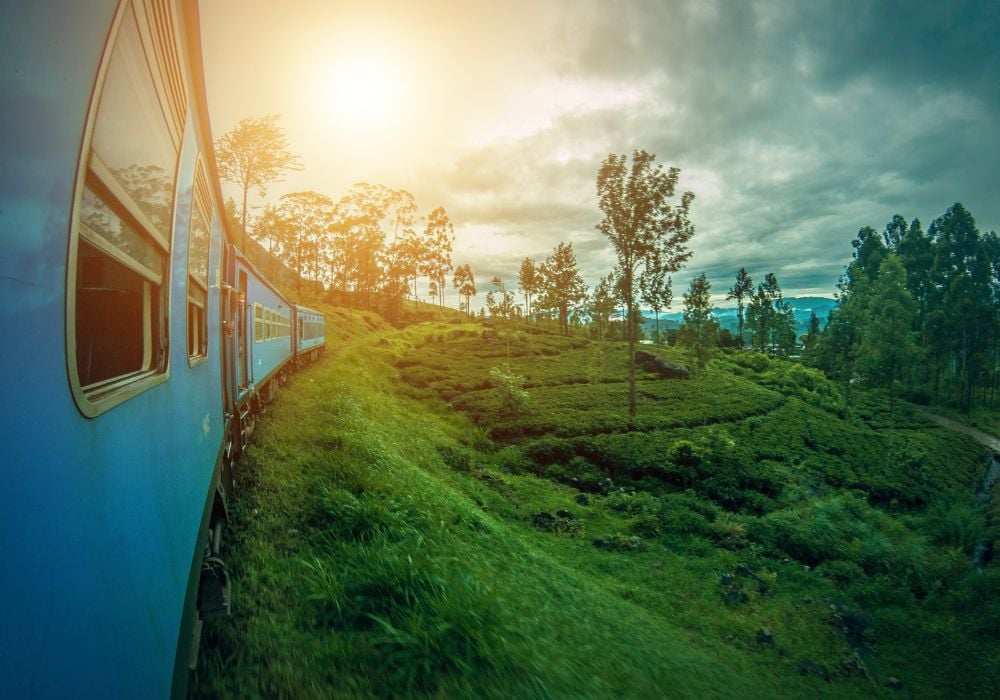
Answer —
402 529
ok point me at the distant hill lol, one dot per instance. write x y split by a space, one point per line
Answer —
727 317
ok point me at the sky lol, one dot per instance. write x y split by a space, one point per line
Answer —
794 123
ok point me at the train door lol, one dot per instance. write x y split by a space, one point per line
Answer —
242 363
230 320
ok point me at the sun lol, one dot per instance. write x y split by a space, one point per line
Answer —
361 90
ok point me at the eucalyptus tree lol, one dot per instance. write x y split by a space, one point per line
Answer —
741 289
700 332
888 343
253 154
656 288
306 225
528 280
640 221
602 305
438 238
465 285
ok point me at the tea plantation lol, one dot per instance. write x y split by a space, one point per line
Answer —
411 523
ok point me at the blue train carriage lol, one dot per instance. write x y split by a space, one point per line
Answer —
310 334
263 342
113 412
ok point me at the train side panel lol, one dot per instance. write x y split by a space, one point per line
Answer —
102 506
310 333
269 324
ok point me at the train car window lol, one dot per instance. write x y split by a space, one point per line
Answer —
197 282
117 310
267 324
258 323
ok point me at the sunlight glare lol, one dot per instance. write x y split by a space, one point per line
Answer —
360 90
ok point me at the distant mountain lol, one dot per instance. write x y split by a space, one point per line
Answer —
727 317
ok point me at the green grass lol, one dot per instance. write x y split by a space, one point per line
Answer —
395 534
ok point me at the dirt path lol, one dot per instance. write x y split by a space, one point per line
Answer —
985 438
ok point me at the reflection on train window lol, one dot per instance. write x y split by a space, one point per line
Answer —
114 325
118 310
197 282
258 323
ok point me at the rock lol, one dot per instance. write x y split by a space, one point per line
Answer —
734 598
894 683
765 636
583 499
811 668
664 368
564 514
605 485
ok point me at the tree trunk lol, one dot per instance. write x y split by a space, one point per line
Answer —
243 224
739 319
630 334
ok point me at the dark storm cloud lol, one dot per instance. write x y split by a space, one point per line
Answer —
814 119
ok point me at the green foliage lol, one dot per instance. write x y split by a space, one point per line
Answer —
508 388
700 332
385 544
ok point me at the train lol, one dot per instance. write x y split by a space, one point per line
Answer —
139 347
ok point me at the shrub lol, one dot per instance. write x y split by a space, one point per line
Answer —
955 523
509 389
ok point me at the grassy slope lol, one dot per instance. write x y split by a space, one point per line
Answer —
385 546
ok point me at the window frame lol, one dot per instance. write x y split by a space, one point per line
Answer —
200 193
258 323
157 27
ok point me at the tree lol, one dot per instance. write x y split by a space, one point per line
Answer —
741 289
438 239
700 331
254 154
759 315
889 345
639 221
602 305
501 306
656 288
562 287
305 227
465 284
811 337
528 279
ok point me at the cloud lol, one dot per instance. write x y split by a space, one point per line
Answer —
794 123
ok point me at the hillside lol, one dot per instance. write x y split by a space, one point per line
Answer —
404 527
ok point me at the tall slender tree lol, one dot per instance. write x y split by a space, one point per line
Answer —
741 289
639 221
253 154
307 223
465 285
439 236
527 278
602 306
562 287
700 332
656 289
888 343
